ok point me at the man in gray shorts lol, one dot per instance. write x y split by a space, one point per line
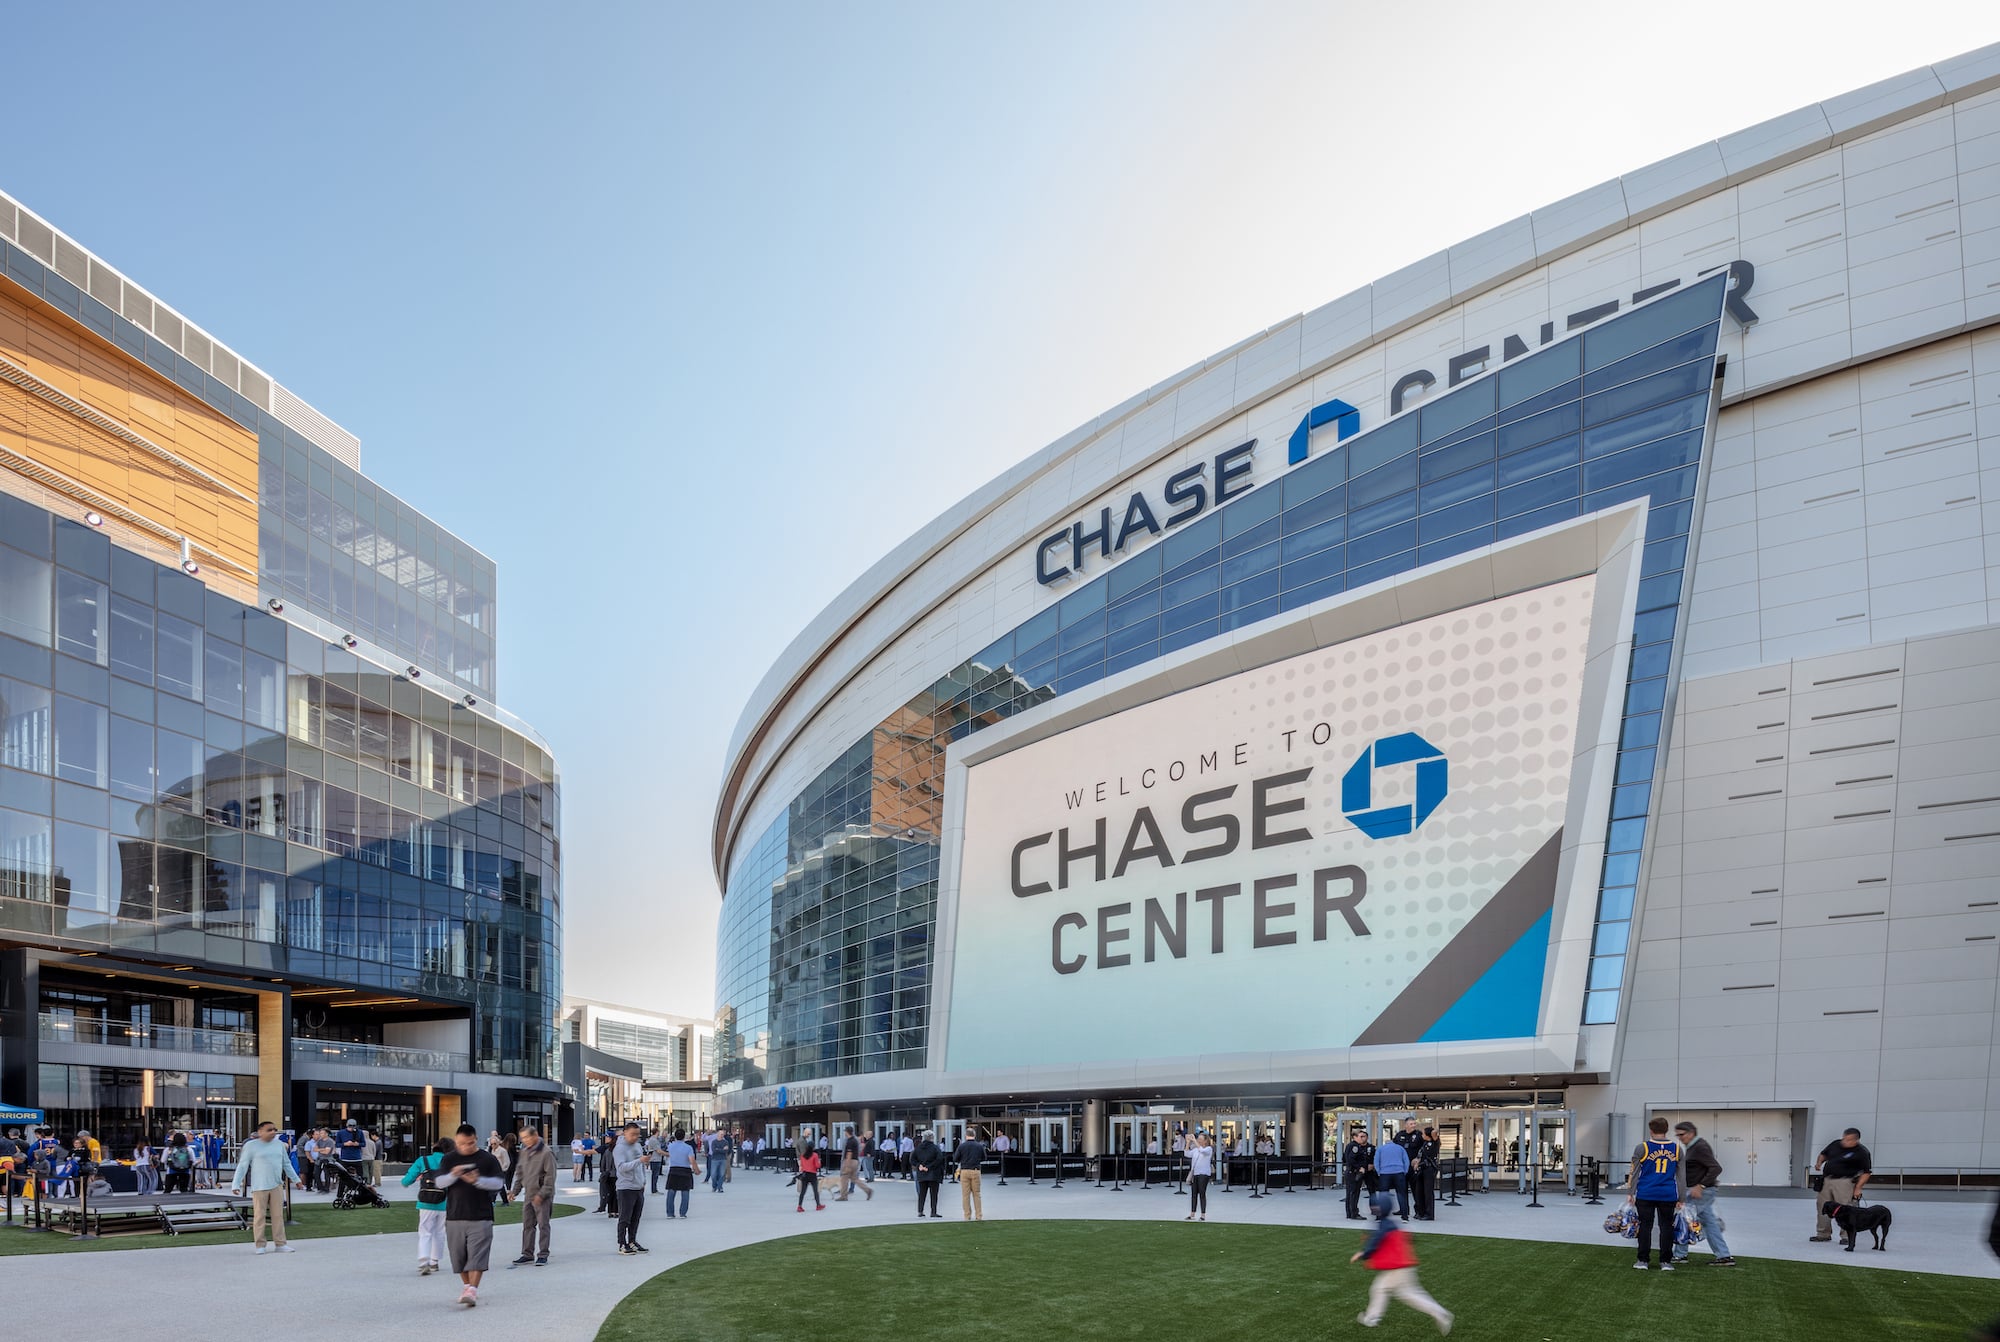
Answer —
470 1178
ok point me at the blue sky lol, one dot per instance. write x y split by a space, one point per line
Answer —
688 313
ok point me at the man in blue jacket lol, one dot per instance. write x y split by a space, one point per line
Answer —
1392 1171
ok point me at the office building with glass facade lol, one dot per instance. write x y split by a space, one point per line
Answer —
1547 687
268 846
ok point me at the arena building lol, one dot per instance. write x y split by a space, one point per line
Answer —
1550 686
268 847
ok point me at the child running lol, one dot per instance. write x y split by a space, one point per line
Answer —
1393 1256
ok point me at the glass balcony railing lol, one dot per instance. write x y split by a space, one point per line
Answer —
61 1029
379 1055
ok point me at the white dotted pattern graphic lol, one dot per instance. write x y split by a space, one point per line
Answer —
1494 688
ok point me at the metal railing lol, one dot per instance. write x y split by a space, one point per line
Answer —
56 1028
379 1055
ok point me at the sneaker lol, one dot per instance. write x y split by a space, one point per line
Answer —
1639 1266
423 1269
281 1248
522 1261
1444 1324
1666 1267
1819 1239
469 1296
637 1247
262 1249
1722 1262
1365 1321
626 1250
542 1260
801 1207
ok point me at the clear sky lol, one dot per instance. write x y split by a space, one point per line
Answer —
687 313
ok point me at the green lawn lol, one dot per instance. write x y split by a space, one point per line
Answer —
315 1221
1048 1280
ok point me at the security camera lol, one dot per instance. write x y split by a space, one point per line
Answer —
471 700
277 606
413 673
350 640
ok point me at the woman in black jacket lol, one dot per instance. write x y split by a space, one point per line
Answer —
929 1160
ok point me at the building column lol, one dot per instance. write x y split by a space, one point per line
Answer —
945 1111
864 1120
1093 1127
1298 1129
274 1056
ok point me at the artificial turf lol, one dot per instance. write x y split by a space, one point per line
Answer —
314 1221
1050 1280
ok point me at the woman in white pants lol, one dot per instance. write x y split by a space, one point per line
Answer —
431 1247
147 1178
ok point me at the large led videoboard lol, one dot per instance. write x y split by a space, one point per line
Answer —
1354 846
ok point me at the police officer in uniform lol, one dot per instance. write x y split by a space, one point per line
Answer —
1412 1143
1357 1162
1424 1173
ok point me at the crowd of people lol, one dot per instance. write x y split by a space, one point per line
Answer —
179 1163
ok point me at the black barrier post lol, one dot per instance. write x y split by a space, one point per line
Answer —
84 1169
1593 1181
1117 1170
1256 1177
290 1219
1179 1167
1535 1185
1059 1160
1453 1179
1003 1169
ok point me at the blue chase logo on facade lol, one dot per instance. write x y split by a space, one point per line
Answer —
1357 786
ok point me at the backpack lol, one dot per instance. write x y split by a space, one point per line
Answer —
427 1188
178 1158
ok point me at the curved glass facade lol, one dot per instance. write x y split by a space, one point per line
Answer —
825 945
186 778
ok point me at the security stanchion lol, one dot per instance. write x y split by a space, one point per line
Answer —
1593 1182
1535 1186
1256 1177
1117 1172
1031 1169
1003 1169
1453 1180
1179 1166
1059 1179
290 1219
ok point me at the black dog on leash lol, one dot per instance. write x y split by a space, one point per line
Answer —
1854 1219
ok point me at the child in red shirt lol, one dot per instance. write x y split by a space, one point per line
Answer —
1393 1256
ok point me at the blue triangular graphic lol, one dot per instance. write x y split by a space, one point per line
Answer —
1506 1000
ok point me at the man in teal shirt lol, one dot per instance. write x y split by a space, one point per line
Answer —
265 1170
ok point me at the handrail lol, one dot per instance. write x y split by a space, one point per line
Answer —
379 1055
56 1028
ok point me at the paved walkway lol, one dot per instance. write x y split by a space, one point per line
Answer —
367 1287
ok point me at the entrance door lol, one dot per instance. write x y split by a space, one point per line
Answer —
950 1132
1130 1134
1500 1147
1047 1135
1754 1145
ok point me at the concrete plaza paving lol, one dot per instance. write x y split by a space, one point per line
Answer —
366 1287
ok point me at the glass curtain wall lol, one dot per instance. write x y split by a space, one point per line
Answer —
824 962
189 778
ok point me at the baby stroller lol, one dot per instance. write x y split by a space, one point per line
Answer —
348 1190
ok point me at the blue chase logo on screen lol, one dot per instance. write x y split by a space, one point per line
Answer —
1357 786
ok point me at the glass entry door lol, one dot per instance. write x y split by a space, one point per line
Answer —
1130 1134
1046 1135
